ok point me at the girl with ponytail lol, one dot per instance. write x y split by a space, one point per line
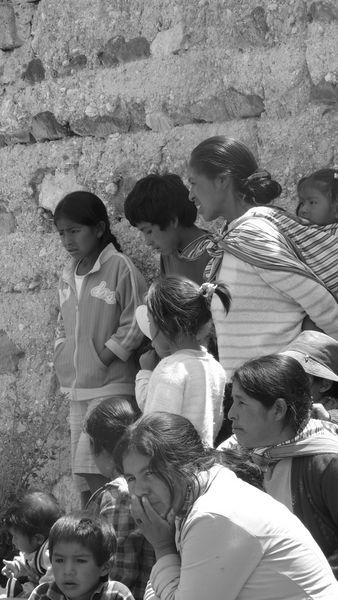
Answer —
188 381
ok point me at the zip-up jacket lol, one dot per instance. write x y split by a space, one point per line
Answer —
103 315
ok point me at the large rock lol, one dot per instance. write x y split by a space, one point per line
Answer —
117 50
168 42
232 104
45 127
323 11
34 72
9 38
54 186
123 117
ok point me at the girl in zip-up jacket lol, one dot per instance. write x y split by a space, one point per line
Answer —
97 332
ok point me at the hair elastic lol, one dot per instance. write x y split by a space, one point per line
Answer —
207 289
259 174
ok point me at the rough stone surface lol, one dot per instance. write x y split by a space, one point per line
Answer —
7 223
325 92
168 42
54 186
117 50
34 71
9 138
321 49
231 105
9 354
9 38
323 11
95 94
45 127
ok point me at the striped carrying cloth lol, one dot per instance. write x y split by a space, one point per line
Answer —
271 238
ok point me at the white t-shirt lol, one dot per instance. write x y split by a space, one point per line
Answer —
188 383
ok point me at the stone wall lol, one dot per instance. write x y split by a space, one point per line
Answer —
96 93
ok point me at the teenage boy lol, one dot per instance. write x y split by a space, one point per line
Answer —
160 208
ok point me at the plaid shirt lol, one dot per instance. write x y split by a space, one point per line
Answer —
106 590
134 556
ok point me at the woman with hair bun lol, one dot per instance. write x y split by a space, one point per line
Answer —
274 279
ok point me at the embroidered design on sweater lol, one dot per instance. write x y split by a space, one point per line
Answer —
103 292
64 294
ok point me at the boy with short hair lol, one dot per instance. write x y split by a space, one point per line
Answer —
29 521
81 548
160 208
135 556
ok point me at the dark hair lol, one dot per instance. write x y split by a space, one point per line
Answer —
86 209
278 376
91 532
326 180
108 421
179 305
176 451
220 155
34 513
160 199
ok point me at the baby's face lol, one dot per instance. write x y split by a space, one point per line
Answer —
315 206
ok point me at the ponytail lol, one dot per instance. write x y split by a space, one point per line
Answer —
208 289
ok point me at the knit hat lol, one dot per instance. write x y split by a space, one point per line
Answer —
317 353
142 319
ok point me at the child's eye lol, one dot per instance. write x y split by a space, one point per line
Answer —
129 479
81 561
149 473
58 560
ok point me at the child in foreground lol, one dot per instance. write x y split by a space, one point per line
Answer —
29 521
318 197
81 549
188 381
134 556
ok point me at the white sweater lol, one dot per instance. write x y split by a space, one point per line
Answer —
238 543
267 311
188 383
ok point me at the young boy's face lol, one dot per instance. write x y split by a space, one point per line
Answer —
165 240
22 542
75 570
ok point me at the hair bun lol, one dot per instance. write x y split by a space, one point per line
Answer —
260 188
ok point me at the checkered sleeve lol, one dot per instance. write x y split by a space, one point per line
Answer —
42 592
114 590
134 555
